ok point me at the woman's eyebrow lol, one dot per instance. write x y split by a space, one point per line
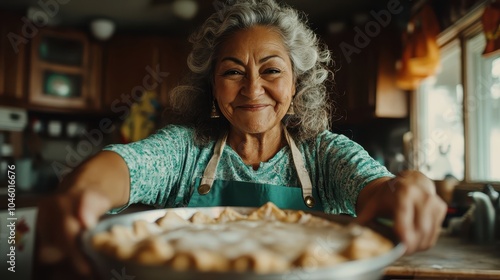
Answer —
233 59
262 60
239 62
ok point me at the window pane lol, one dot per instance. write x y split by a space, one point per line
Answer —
483 108
440 124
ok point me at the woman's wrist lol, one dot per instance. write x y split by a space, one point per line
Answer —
392 190
387 198
90 205
374 200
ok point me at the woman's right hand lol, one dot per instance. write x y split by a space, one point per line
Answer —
61 219
96 186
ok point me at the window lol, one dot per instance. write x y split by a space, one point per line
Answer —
483 111
459 128
441 129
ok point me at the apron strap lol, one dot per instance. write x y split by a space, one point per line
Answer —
305 182
209 174
304 179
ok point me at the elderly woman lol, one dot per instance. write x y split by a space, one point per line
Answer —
249 126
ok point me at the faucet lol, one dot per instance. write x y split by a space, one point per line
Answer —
486 215
495 200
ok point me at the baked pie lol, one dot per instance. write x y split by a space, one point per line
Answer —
267 240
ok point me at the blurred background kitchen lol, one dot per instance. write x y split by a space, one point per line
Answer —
416 82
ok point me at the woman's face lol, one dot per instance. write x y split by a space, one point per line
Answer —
254 82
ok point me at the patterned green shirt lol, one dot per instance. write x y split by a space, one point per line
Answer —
163 168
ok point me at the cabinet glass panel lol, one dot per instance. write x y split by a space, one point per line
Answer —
61 51
62 85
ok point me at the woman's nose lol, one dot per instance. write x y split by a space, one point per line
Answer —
252 87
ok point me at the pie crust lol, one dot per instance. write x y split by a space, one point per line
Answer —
267 240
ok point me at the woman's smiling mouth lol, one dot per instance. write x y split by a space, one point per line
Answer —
252 107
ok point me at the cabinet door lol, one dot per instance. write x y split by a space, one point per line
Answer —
130 66
391 101
355 78
361 89
60 72
12 59
365 78
173 62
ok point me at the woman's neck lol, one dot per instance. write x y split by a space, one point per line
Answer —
256 148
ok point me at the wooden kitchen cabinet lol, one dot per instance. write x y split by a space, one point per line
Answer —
133 64
126 59
13 60
173 60
365 80
64 70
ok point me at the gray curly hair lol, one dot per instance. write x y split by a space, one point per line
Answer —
191 102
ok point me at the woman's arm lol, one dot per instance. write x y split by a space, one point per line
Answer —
106 173
98 185
410 199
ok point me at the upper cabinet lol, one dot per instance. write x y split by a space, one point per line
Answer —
67 71
128 67
173 60
13 60
62 70
365 77
135 64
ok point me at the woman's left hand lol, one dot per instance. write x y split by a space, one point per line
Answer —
410 199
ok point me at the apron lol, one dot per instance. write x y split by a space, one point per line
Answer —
211 192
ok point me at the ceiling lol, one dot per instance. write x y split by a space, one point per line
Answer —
158 16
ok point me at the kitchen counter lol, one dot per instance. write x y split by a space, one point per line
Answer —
451 258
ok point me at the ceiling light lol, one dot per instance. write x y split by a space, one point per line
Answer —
336 27
102 29
185 9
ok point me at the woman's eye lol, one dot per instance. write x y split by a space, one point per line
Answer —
232 73
272 71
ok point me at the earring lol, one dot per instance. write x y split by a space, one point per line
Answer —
290 111
214 114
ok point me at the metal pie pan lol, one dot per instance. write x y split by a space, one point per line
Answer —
110 268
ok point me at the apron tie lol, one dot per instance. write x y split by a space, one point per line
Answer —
304 179
209 174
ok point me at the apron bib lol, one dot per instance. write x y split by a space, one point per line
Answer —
211 192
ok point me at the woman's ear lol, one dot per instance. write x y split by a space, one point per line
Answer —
294 86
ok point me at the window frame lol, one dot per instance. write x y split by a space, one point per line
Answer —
463 30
